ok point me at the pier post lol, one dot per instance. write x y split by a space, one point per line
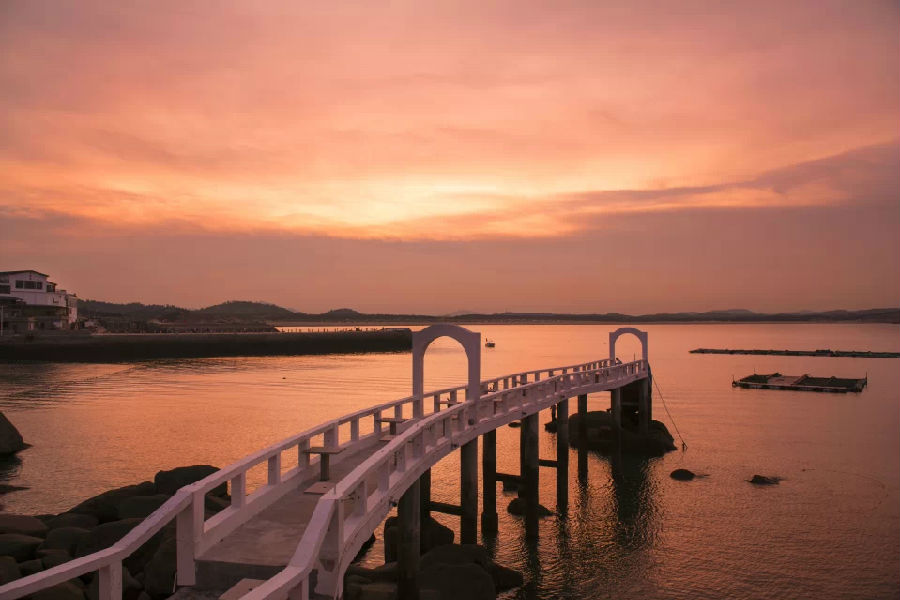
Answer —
644 407
530 473
410 543
489 483
425 496
582 418
615 400
468 463
562 457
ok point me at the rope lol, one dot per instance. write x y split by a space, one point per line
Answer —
659 391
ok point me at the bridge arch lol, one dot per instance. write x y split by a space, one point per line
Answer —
614 335
470 342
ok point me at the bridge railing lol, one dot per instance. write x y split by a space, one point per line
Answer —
345 517
195 534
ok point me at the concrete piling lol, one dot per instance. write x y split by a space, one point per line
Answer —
468 462
489 483
530 473
408 511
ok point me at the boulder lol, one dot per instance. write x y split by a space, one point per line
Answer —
53 558
140 507
30 567
33 526
104 536
764 480
159 573
458 554
517 507
62 591
10 439
682 475
600 435
9 569
105 506
550 426
70 519
215 504
432 534
457 581
169 482
65 538
20 547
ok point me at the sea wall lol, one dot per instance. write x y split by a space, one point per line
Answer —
128 347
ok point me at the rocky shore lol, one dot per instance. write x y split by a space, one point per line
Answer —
30 544
599 435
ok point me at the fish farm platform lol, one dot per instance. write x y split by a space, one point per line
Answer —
806 383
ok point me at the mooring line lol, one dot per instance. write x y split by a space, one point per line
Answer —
661 397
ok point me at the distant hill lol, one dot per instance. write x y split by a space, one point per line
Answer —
247 311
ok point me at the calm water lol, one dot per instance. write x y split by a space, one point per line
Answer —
831 529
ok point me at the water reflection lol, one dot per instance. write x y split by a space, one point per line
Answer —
634 490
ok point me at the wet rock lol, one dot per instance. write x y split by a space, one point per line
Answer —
62 591
464 554
30 567
159 573
682 474
73 520
20 547
601 436
517 507
764 480
432 534
9 570
105 506
215 504
65 538
24 524
10 439
104 536
168 482
140 507
53 558
455 581
364 548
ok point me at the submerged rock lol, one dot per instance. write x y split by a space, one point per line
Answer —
682 475
168 482
517 507
764 480
432 534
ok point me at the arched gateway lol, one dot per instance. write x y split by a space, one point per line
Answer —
614 335
469 340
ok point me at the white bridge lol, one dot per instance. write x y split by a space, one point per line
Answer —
300 530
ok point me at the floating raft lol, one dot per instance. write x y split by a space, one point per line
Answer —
820 352
806 383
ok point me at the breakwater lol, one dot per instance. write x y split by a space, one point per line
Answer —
823 352
130 347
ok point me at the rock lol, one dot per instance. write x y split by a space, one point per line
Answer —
62 591
159 573
364 548
105 506
511 486
764 480
6 488
550 426
30 567
515 424
600 435
380 590
457 554
10 439
104 536
140 507
9 570
215 504
53 558
386 572
432 534
65 538
682 475
10 523
168 482
20 547
70 519
457 581
517 507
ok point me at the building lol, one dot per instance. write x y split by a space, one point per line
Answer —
29 301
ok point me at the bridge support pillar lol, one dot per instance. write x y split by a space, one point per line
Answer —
644 406
408 511
616 406
530 473
468 462
582 417
562 457
489 483
425 496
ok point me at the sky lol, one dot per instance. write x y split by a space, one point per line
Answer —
434 157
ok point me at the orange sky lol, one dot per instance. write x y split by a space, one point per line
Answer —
443 156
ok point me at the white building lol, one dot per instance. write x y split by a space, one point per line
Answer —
31 301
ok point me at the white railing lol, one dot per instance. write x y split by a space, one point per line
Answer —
195 534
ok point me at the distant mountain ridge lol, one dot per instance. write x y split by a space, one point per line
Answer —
245 310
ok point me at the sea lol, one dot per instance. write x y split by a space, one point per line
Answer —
829 529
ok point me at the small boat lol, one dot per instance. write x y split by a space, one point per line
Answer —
489 343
